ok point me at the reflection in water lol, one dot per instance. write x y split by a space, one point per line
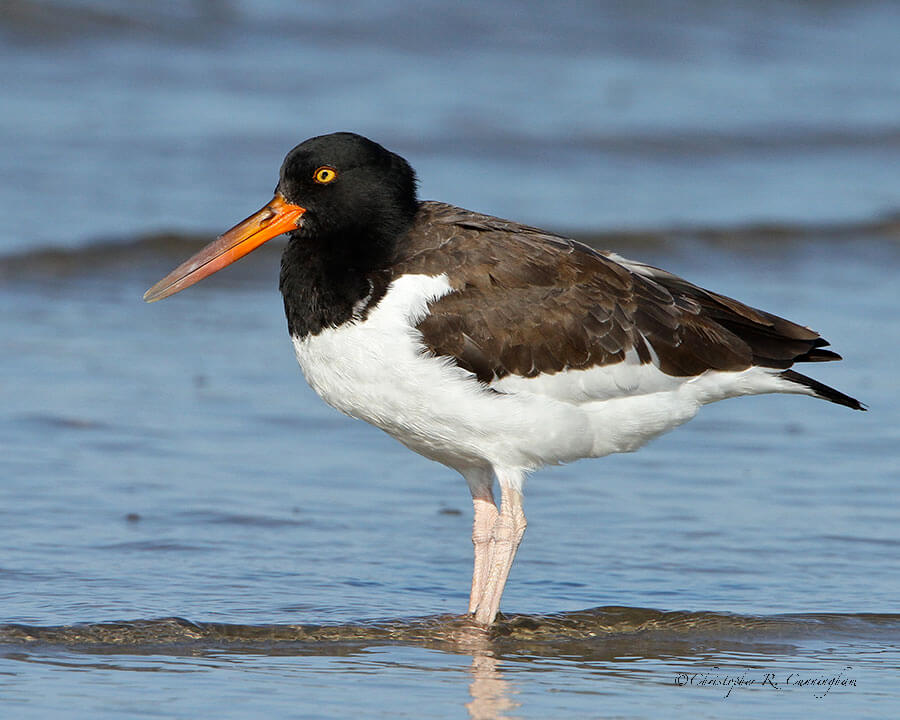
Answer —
489 690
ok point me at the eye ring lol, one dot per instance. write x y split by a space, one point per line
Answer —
325 175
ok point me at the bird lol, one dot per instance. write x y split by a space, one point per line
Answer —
490 346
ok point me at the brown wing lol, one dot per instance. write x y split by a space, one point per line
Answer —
527 302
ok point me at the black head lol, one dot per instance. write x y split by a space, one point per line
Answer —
344 198
354 190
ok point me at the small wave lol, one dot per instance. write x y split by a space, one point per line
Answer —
47 421
583 633
678 143
39 21
758 235
168 248
146 255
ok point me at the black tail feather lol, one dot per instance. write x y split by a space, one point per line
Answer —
823 391
818 354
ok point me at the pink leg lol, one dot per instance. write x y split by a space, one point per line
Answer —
481 482
482 529
505 539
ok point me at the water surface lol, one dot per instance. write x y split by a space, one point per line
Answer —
186 530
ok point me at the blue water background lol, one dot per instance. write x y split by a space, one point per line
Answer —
169 460
122 117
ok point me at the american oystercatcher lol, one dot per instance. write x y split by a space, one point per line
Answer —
489 346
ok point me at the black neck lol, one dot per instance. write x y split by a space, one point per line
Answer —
327 281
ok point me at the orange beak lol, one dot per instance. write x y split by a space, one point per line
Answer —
278 217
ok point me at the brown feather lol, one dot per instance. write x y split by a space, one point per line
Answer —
526 302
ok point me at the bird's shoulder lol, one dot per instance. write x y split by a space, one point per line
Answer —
482 251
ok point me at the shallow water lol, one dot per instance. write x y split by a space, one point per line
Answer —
594 659
186 530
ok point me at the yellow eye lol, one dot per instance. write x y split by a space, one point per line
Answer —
325 175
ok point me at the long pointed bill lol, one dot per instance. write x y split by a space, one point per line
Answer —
278 217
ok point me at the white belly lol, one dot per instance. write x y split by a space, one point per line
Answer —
378 370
